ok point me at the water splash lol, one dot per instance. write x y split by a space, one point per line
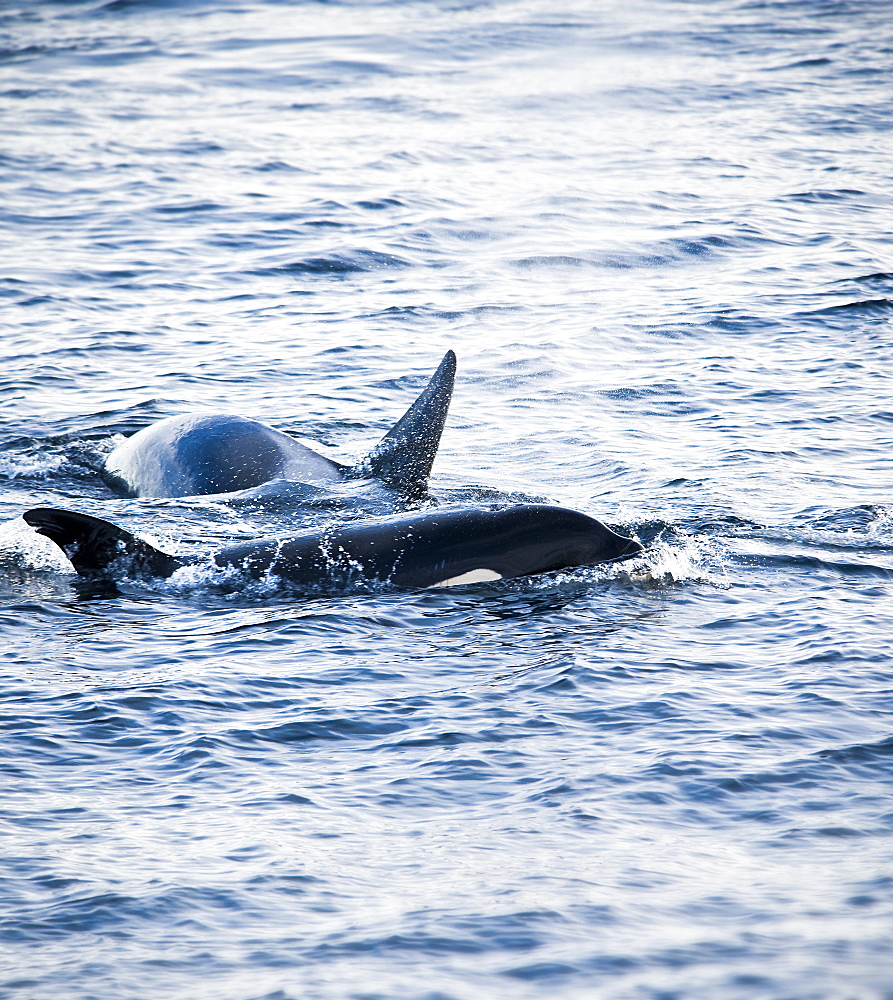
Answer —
684 559
23 548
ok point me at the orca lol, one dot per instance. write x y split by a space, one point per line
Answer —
438 548
199 454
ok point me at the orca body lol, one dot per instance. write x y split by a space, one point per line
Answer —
196 454
434 549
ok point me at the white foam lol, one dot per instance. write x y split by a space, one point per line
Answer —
29 464
687 559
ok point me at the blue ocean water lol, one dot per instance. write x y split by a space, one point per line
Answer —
658 236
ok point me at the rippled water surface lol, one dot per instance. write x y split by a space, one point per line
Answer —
657 235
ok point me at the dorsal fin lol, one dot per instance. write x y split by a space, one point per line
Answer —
403 458
98 548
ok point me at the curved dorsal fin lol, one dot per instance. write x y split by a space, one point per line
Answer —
403 458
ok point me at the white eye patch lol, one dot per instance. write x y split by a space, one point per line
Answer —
473 576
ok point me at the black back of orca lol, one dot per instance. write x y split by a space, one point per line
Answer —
440 548
195 454
437 548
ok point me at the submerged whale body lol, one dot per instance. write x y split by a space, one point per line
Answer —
198 454
439 548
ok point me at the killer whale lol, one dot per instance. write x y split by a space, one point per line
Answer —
438 548
196 454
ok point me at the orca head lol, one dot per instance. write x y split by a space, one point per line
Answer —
607 545
600 544
557 537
